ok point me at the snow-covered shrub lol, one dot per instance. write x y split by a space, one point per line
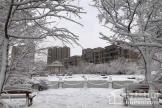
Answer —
118 66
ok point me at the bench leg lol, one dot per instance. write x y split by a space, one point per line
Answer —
27 101
125 101
30 101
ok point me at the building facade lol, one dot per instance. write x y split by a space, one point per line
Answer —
87 55
113 52
104 55
98 55
72 61
93 55
57 54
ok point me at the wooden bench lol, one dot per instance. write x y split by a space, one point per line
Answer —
18 93
139 91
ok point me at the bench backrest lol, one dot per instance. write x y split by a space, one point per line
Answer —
17 91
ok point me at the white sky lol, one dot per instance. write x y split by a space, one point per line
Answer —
88 35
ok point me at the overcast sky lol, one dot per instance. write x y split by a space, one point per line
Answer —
88 35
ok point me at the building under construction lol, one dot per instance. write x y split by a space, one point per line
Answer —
107 54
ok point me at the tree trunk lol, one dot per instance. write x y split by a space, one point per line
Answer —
4 62
149 78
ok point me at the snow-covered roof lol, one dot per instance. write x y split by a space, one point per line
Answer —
56 64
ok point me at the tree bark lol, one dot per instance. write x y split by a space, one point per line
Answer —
4 62
5 48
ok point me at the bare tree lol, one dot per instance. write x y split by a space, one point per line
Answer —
136 22
30 19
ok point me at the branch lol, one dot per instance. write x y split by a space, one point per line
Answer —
149 16
46 15
26 2
148 44
131 20
8 19
157 60
114 22
18 37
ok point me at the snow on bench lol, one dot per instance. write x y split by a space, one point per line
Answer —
140 95
17 94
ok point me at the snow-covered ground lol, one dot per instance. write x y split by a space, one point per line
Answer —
83 77
77 98
74 98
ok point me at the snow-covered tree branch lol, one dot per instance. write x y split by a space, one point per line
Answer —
137 23
34 19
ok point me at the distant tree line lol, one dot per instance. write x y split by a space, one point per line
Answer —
119 66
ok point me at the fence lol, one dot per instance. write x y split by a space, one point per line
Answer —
97 84
73 84
54 84
89 84
120 84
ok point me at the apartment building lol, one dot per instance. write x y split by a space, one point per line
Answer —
57 54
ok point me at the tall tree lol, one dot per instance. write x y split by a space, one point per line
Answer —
31 19
136 22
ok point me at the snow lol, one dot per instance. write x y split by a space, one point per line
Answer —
160 101
37 79
53 78
72 98
89 77
78 77
81 98
126 77
75 98
78 97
